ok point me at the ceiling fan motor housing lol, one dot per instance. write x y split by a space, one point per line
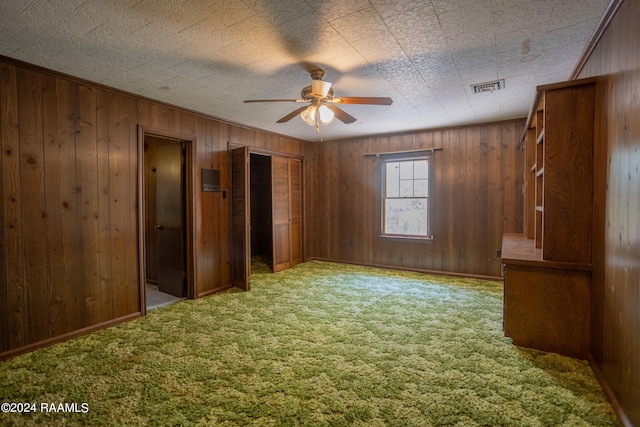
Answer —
308 93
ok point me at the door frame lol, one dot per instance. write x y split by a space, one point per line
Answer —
189 142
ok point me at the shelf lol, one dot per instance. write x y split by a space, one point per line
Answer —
540 139
540 171
518 250
540 208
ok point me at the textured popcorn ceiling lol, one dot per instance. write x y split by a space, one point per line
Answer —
209 56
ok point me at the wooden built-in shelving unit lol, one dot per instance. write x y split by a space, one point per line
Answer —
548 267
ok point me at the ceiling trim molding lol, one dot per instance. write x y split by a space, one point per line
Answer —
609 13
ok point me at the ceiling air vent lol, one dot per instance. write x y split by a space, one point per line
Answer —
488 86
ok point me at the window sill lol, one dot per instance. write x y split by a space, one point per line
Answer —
408 239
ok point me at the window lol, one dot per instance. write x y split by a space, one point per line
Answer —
405 198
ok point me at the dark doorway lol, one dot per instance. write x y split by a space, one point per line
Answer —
165 215
260 206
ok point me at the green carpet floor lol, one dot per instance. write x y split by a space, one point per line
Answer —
320 344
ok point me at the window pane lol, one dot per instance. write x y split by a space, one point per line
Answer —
420 169
406 170
406 217
420 188
392 179
406 188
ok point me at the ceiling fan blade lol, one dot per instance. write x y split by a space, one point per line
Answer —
275 100
341 115
363 100
292 114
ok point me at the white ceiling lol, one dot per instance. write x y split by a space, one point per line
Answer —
210 55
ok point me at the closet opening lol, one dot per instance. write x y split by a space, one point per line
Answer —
261 211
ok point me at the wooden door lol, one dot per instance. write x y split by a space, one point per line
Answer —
280 189
240 221
287 212
170 233
295 211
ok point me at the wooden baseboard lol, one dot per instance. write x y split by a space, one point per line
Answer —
617 408
213 291
64 337
417 270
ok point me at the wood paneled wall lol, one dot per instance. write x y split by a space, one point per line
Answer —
476 196
616 256
69 213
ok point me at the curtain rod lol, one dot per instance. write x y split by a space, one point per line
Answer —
392 153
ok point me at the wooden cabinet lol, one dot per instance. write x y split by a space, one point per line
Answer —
548 268
547 304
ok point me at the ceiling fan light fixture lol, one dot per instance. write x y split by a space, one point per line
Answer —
314 115
326 115
309 115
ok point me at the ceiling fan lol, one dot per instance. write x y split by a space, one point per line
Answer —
323 105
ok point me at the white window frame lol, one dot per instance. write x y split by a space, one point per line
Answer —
427 234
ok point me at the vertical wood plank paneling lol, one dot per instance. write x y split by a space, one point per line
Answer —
475 211
203 227
4 332
615 297
512 178
220 232
345 210
495 196
132 258
457 153
66 204
87 202
119 211
104 212
12 317
34 209
445 193
56 289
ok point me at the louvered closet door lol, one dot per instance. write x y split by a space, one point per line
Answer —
240 234
281 227
295 211
286 177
